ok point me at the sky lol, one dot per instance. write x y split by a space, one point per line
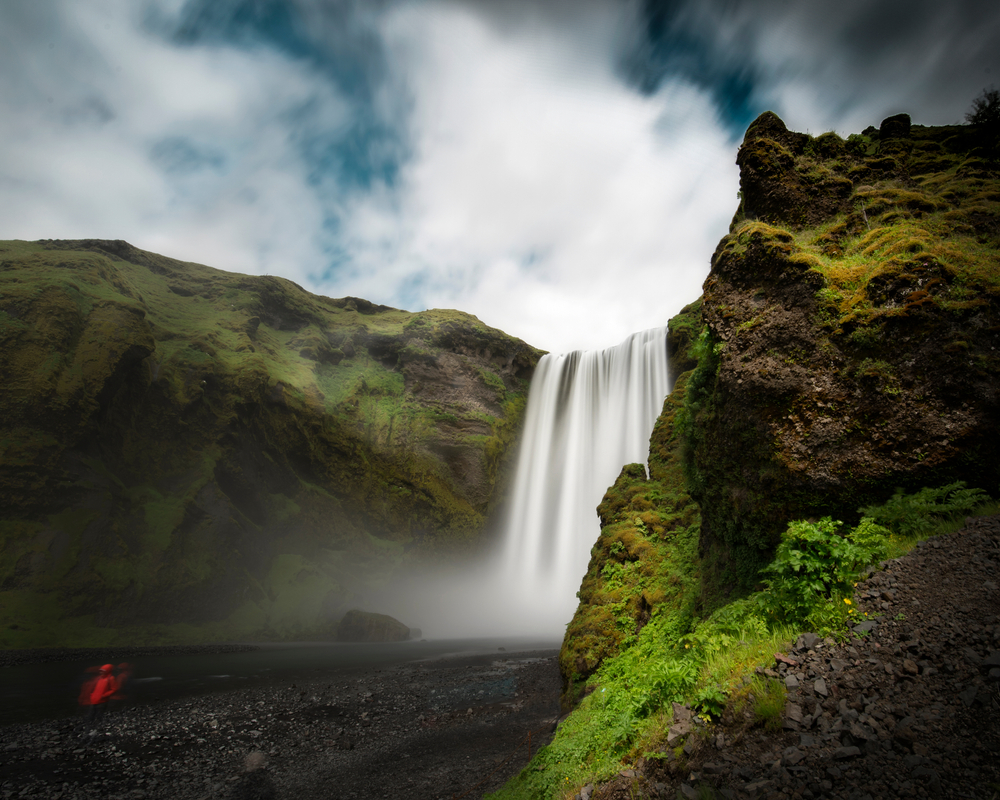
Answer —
562 169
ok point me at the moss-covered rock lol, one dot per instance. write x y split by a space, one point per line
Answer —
854 350
192 454
847 343
644 560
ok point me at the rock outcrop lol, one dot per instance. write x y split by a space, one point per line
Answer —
847 344
192 454
366 626
853 326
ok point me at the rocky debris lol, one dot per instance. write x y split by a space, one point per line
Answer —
908 707
424 730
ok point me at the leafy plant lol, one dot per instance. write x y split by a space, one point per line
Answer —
872 539
710 701
912 515
667 682
812 564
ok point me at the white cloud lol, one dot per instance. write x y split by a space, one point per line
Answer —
544 195
84 165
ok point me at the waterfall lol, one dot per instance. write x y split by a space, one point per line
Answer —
589 413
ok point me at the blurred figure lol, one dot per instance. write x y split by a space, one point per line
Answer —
95 694
255 784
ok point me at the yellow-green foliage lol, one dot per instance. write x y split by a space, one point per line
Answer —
923 235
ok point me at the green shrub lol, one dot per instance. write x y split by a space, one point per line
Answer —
872 539
813 564
913 515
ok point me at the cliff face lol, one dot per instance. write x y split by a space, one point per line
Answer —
196 454
846 344
852 330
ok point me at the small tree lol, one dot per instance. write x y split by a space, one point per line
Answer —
985 110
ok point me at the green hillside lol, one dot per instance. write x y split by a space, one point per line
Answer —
189 454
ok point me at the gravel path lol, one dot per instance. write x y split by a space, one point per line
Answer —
422 730
911 709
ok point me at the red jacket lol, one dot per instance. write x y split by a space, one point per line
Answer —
104 687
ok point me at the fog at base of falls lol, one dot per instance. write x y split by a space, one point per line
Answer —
589 413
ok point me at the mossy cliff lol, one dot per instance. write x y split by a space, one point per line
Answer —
191 454
847 343
852 326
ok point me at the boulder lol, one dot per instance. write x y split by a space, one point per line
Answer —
365 626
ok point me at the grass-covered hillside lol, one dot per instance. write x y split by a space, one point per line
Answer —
190 454
840 400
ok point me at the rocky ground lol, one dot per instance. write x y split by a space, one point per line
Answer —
909 707
449 728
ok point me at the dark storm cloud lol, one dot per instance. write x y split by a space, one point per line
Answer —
929 58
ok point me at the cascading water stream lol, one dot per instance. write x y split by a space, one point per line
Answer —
589 413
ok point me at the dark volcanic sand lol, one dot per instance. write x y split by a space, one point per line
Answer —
447 728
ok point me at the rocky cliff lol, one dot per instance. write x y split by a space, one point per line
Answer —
846 344
192 454
852 320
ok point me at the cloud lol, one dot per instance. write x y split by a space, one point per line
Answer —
543 195
114 132
561 169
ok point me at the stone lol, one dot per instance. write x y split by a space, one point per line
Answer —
845 753
992 660
968 696
791 682
365 626
792 756
909 667
819 686
904 733
689 791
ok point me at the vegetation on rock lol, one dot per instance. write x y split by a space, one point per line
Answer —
189 454
843 355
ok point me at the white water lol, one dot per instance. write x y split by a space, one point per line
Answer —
589 413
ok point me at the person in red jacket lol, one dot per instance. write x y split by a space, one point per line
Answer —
100 691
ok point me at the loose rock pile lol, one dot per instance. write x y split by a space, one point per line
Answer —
909 707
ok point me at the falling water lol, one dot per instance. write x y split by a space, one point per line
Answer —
589 413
